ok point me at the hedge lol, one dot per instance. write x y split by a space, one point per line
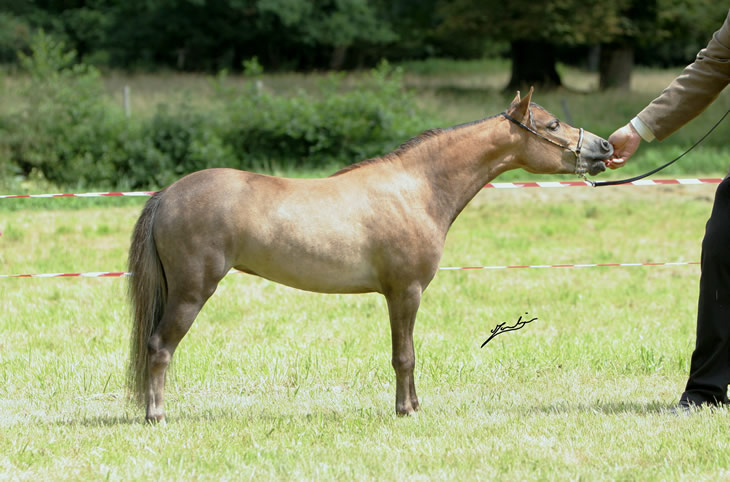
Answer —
72 134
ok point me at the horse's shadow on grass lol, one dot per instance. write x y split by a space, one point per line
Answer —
121 420
560 408
99 421
232 413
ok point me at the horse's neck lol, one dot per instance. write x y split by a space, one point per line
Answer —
459 162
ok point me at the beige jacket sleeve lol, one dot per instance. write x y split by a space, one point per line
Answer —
696 87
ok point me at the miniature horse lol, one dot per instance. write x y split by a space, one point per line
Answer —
376 226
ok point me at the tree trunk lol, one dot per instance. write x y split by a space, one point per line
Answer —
617 61
339 54
533 64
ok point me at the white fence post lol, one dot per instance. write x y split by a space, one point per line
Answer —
127 102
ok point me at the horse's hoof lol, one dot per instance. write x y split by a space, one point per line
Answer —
410 414
156 420
407 412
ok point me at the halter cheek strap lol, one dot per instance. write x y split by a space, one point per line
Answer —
575 151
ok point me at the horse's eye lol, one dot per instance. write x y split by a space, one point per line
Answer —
554 125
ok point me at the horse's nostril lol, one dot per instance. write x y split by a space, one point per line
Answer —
605 145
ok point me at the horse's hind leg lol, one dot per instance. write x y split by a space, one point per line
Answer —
402 308
185 300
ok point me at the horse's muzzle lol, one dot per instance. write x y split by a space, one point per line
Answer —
596 167
592 158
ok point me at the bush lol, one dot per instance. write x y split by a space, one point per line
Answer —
63 130
71 134
335 125
174 142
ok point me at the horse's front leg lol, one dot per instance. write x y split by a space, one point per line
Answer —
402 308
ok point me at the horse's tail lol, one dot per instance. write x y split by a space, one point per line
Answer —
148 295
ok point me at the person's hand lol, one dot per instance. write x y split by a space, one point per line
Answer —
625 142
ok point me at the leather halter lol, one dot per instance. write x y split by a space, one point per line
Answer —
575 151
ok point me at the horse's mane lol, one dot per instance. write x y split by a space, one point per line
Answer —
406 146
402 149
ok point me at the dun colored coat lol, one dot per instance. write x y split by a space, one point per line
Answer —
376 226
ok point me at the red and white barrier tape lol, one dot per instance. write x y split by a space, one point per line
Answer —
643 182
494 185
104 274
119 274
588 265
82 194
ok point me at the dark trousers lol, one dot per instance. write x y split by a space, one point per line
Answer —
709 371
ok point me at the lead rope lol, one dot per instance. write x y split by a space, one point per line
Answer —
642 176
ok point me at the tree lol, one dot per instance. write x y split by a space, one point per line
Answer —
635 18
182 34
206 34
336 25
664 32
534 30
14 36
679 30
332 34
216 34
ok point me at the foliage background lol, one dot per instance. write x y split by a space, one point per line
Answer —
212 35
59 121
67 131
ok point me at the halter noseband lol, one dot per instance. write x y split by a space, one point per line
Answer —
575 151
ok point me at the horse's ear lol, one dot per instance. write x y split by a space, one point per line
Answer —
520 107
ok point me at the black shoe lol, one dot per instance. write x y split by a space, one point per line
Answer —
686 407
683 408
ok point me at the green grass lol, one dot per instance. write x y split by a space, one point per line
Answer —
274 383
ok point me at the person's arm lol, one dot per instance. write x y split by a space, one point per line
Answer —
684 99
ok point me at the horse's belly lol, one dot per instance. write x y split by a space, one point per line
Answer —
313 275
332 262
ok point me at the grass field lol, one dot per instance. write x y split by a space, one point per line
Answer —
277 383
274 383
